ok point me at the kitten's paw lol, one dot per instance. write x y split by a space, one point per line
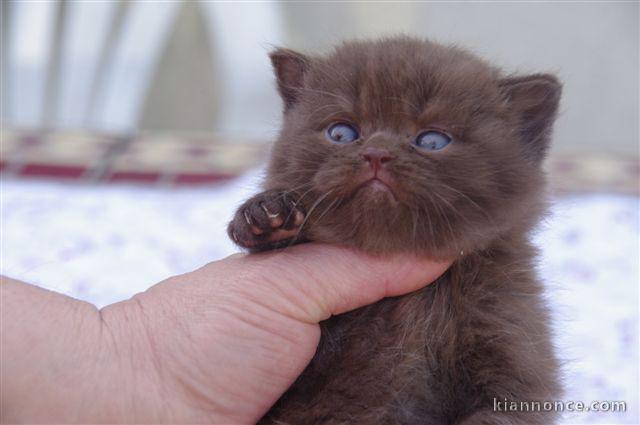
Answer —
269 220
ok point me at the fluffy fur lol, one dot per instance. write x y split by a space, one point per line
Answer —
440 355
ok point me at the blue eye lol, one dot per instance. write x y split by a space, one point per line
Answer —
432 140
342 133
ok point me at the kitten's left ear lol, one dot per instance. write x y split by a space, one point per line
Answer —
289 67
534 99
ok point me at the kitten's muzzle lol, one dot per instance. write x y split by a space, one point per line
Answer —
374 174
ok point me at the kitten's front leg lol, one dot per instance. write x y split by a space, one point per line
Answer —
269 220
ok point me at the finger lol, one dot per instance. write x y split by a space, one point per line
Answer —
311 282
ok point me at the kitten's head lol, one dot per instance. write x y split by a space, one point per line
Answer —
406 145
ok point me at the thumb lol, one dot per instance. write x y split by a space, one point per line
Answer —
311 282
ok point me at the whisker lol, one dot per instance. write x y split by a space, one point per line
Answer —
471 201
327 210
313 207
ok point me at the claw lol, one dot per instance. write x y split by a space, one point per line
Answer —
274 218
269 213
246 217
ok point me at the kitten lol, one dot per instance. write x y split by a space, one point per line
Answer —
403 145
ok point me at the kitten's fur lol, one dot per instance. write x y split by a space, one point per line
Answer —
440 355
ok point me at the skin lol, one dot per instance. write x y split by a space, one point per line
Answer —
217 345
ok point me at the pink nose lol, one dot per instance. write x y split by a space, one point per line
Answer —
376 157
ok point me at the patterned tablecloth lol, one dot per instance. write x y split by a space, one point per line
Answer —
104 243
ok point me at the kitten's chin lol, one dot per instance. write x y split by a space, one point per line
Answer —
377 192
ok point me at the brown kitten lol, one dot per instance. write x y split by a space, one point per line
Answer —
403 145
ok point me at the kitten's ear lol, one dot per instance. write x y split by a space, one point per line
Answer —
289 67
534 99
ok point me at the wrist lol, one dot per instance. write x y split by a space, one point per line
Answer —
147 340
129 368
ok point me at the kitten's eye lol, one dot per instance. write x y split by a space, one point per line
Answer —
432 140
342 133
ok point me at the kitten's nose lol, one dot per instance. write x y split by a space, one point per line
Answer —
376 157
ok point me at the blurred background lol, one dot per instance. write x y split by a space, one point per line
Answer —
131 130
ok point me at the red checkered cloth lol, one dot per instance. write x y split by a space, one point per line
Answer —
195 159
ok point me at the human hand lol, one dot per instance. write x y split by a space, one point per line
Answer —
217 345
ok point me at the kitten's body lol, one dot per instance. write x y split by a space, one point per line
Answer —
443 354
438 356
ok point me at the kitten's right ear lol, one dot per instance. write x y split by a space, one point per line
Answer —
289 67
